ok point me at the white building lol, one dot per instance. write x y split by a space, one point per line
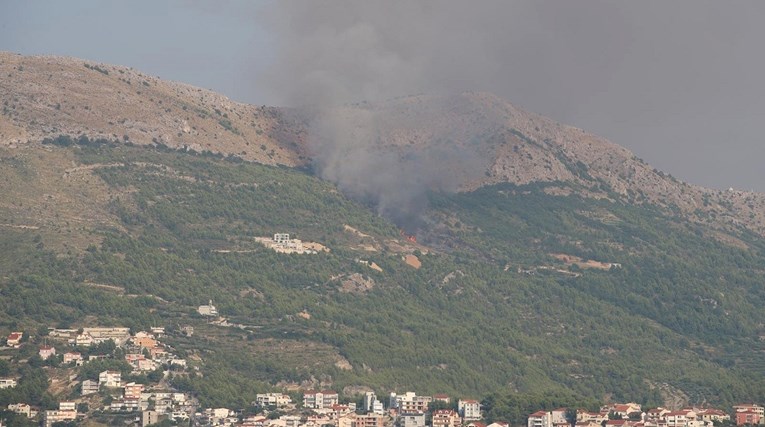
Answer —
412 420
469 410
23 409
409 402
320 399
98 335
272 399
372 404
540 419
208 310
88 387
110 379
47 351
7 383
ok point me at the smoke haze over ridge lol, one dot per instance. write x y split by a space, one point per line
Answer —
679 83
677 78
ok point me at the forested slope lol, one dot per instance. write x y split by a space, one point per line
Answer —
514 293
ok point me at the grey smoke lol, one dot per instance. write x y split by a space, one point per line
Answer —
679 82
347 149
340 52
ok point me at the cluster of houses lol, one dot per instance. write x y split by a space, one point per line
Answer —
143 351
632 415
404 410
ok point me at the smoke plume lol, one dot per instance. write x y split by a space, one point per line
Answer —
337 52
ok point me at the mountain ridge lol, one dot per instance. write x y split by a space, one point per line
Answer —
45 96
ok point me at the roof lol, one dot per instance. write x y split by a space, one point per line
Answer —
539 414
440 396
15 335
472 401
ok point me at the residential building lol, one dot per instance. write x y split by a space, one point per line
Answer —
73 357
499 424
443 398
710 415
559 417
680 418
623 410
125 405
133 391
7 383
411 419
272 399
750 414
83 340
23 409
369 399
67 406
52 417
119 335
47 351
469 410
320 399
369 420
748 417
149 417
144 341
14 339
110 379
88 387
540 419
409 402
445 418
158 330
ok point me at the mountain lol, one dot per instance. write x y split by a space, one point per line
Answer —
563 266
48 96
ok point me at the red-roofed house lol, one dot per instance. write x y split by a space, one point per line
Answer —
712 415
14 339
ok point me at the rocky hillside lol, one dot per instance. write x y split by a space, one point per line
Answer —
521 147
48 96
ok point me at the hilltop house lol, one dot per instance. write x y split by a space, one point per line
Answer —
208 310
14 339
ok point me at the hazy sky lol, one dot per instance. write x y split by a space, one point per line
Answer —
680 83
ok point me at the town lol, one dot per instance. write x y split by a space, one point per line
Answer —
140 395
